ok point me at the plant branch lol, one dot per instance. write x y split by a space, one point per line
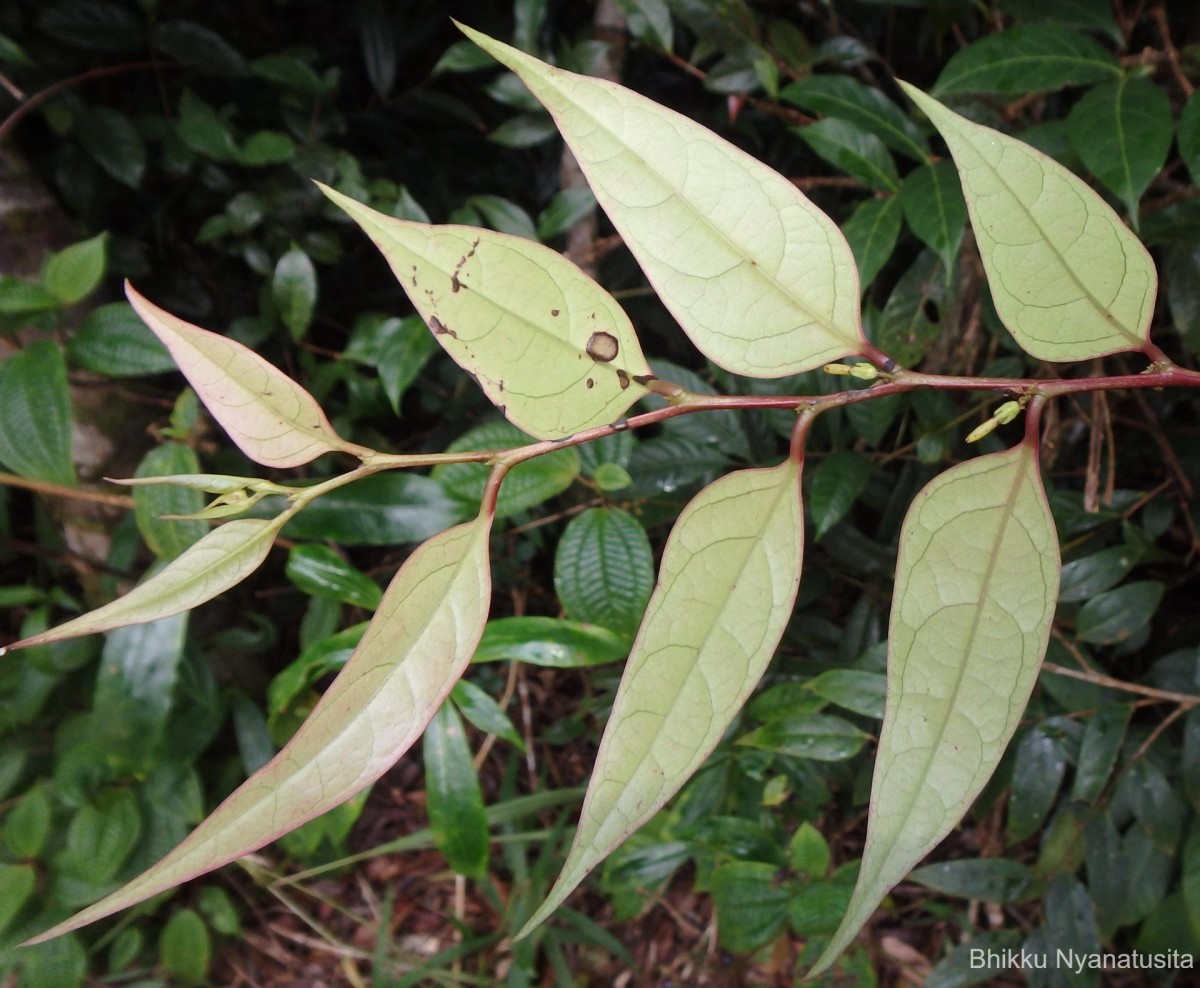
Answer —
1186 700
61 490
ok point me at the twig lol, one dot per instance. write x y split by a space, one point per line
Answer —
61 490
1185 700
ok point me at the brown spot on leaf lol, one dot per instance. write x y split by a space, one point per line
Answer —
643 379
622 379
591 383
440 328
602 347
554 312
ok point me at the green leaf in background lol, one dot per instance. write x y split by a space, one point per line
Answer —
185 948
820 737
114 144
549 642
101 836
203 130
1039 767
455 801
761 280
294 288
1063 296
1116 615
935 209
140 669
272 419
847 98
1098 751
1188 136
220 560
808 852
62 963
318 570
94 25
195 44
1030 58
416 647
267 147
1091 15
852 689
493 301
976 585
526 486
910 323
168 539
387 509
35 414
18 882
1083 578
1122 131
604 569
112 340
984 879
74 272
27 824
504 216
726 587
871 231
752 907
850 149
478 707
566 209
836 484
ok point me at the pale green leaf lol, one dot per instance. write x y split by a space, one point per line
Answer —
551 348
220 560
725 591
760 279
976 584
269 416
1069 279
414 650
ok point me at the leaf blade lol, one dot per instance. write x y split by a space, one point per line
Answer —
978 553
762 281
220 560
706 624
1069 279
375 710
551 348
269 416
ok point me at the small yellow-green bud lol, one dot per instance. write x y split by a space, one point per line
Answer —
864 372
838 370
986 429
1007 412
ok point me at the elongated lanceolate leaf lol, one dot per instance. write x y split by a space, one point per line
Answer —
272 419
1069 279
418 644
221 559
551 348
760 279
725 591
976 584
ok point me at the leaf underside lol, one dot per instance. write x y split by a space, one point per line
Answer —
269 416
551 348
976 586
725 590
1069 279
761 280
418 644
